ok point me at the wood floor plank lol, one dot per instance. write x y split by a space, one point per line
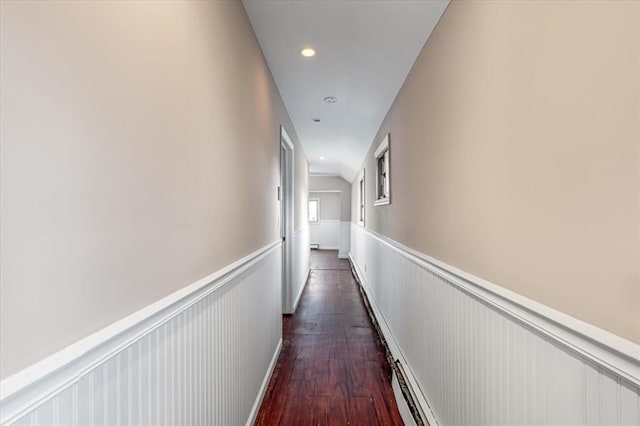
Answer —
363 412
296 409
332 369
338 411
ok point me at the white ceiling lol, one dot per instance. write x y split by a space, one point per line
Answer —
365 49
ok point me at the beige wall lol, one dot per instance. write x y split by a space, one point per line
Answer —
329 204
515 153
139 153
334 183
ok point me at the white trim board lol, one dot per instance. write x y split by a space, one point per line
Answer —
287 215
302 286
614 353
301 264
403 408
44 380
384 145
265 385
470 359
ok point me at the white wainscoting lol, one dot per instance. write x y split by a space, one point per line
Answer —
203 355
325 233
477 354
300 263
345 240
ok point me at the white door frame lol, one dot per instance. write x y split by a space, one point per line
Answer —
287 218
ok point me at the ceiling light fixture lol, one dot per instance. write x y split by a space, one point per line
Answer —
315 120
322 158
331 99
308 52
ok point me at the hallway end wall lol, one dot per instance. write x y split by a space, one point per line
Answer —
336 230
334 183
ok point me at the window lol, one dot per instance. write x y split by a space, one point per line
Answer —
383 185
314 209
361 188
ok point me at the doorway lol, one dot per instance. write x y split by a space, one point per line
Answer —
286 218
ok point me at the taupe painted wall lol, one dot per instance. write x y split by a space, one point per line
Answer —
515 153
139 153
330 203
334 183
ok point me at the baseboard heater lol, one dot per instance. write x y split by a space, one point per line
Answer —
315 246
395 364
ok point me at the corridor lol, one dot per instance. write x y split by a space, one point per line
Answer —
332 369
167 166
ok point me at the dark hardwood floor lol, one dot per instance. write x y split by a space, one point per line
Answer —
332 369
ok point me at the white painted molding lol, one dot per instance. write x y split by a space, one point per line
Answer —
265 384
301 263
403 407
382 147
607 350
361 201
380 150
382 201
286 138
396 352
302 286
47 378
287 212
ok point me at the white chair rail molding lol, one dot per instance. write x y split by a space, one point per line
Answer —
475 353
202 355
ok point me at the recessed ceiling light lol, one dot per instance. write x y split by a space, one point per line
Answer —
308 52
331 99
322 158
315 120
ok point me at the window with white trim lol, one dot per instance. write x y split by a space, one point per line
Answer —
383 182
361 188
314 210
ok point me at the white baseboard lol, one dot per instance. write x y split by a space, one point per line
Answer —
302 286
476 353
396 352
403 407
300 265
265 385
198 355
